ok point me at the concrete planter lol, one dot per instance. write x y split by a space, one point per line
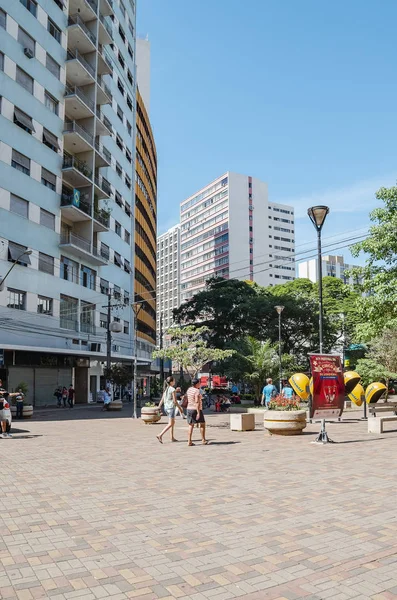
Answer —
116 405
150 414
285 422
27 411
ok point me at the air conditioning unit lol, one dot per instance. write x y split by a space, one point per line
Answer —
95 347
28 52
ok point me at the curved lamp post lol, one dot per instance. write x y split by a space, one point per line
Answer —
2 279
279 310
317 215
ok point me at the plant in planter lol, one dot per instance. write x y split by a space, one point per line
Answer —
284 417
150 413
27 406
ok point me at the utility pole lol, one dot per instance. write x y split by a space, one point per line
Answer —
136 307
161 347
108 334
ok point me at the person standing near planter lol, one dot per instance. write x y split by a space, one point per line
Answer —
268 392
19 397
64 396
3 421
170 406
195 413
71 396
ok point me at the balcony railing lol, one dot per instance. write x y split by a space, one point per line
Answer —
103 152
77 20
105 56
104 120
104 87
84 204
72 126
76 91
76 55
102 218
103 184
74 162
99 254
76 240
106 25
68 324
93 5
87 327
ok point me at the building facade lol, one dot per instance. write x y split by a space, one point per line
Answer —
332 265
67 153
168 278
230 229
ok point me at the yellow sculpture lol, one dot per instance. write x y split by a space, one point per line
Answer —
374 391
357 395
351 380
300 384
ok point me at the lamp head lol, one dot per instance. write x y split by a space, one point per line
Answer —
317 215
279 309
27 253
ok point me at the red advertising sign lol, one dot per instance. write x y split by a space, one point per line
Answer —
328 386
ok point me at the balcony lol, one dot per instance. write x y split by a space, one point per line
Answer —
78 70
106 7
105 33
76 208
87 327
102 187
103 125
103 158
77 103
105 66
76 172
82 249
104 95
101 221
79 36
87 9
77 138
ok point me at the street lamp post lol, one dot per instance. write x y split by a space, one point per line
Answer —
2 279
137 307
279 310
317 215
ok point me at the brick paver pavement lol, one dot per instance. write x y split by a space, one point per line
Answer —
94 507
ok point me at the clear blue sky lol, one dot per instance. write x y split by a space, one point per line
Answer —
301 94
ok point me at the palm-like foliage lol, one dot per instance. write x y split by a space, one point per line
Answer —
262 361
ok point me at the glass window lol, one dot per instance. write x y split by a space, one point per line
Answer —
129 102
23 120
117 292
105 251
88 277
53 30
48 179
121 60
53 66
119 141
47 219
103 320
25 40
122 8
51 103
130 77
1 61
60 3
69 312
44 305
104 286
119 172
24 80
130 25
19 206
120 86
50 140
16 299
129 128
31 5
20 162
126 327
128 181
3 18
46 263
18 254
117 228
130 52
127 236
69 269
120 113
117 260
122 34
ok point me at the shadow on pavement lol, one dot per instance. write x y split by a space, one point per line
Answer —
211 443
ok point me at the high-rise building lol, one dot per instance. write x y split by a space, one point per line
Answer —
168 278
332 266
230 229
67 150
145 212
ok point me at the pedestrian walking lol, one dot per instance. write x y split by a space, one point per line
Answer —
64 396
106 399
268 392
71 396
58 396
3 408
195 413
170 406
288 392
19 397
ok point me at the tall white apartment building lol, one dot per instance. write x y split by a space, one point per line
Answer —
230 229
168 277
332 265
67 150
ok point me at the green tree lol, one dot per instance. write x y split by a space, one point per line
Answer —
379 275
190 349
381 360
118 374
262 362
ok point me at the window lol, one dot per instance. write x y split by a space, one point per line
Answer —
127 209
128 155
127 266
122 8
48 179
18 254
47 219
1 61
126 327
46 263
120 86
51 103
116 292
104 286
130 25
16 299
53 66
129 102
23 120
105 251
119 142
126 298
117 260
119 172
31 5
60 3
3 18
120 113
68 312
19 206
53 30
127 181
129 128
50 140
24 80
88 277
130 52
122 34
25 40
130 77
117 228
20 162
69 269
121 60
127 236
44 305
119 198
103 320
